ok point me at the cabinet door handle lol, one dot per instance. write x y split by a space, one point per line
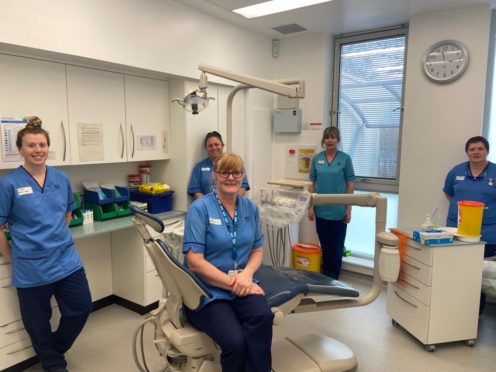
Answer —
409 284
65 140
122 136
20 349
412 266
416 248
15 330
408 302
132 134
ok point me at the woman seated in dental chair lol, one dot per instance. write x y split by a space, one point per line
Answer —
223 247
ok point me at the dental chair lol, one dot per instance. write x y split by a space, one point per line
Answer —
287 290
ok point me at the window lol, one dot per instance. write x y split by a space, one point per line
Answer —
367 104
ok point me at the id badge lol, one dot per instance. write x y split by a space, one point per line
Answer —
233 272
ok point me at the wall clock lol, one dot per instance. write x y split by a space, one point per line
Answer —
445 61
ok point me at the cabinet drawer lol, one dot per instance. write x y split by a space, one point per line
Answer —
153 287
12 332
420 252
8 300
16 353
413 287
417 270
5 268
409 312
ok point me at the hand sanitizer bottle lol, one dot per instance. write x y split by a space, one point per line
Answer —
427 225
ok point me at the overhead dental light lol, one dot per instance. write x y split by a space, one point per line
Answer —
196 100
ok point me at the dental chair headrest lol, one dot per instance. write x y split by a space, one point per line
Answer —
154 222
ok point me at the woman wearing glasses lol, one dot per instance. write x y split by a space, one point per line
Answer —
223 246
475 180
201 181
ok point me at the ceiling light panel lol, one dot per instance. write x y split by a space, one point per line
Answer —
275 6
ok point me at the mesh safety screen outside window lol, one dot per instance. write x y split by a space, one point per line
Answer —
369 104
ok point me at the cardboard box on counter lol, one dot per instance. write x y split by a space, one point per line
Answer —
433 237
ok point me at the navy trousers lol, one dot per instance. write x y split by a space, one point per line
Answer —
242 328
74 299
331 235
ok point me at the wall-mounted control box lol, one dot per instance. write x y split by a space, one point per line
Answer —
286 120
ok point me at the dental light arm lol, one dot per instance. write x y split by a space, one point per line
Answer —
292 91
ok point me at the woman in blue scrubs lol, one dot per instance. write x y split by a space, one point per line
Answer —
331 172
475 180
223 246
201 181
37 202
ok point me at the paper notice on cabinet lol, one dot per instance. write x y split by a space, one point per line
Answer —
146 143
90 142
9 128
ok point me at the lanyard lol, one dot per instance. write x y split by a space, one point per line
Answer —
232 232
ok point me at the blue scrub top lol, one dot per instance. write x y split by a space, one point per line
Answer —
201 178
461 185
206 232
42 248
331 178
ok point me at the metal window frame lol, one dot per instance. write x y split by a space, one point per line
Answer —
369 183
489 78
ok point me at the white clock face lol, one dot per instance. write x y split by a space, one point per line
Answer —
445 61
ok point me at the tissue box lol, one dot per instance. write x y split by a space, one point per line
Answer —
433 237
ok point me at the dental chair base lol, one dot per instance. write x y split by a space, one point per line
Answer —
311 353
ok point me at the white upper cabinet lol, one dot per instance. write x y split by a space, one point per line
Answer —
96 116
147 118
33 87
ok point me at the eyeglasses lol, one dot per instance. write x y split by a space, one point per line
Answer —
226 174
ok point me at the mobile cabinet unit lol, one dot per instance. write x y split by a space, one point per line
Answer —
437 296
34 87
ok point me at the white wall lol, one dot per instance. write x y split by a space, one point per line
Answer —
438 119
308 57
159 35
